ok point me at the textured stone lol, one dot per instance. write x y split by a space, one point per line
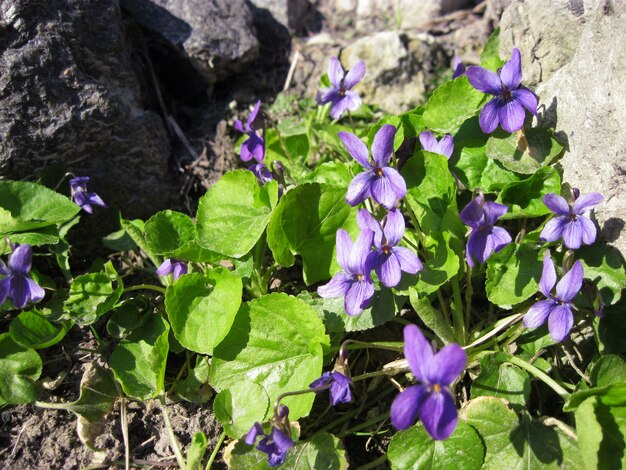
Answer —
573 50
217 36
291 14
69 95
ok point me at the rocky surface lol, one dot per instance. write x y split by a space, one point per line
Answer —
216 36
570 53
292 14
70 94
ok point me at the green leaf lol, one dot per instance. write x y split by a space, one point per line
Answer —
240 406
382 308
322 451
276 341
196 451
450 105
604 265
332 174
138 361
19 369
134 229
195 387
476 170
524 197
167 231
601 434
415 449
500 379
202 308
524 154
513 274
305 222
608 370
44 236
119 240
31 330
608 379
92 295
130 314
515 441
26 206
233 213
441 265
431 317
490 58
431 190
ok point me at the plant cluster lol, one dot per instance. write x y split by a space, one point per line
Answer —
440 233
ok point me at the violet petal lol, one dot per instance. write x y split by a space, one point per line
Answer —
359 188
446 365
511 73
335 72
382 147
586 202
417 351
439 415
484 80
570 284
526 98
356 148
354 75
553 230
336 287
511 115
488 119
405 406
20 259
560 322
409 262
548 276
394 227
538 313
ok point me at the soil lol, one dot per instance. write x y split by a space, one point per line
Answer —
36 438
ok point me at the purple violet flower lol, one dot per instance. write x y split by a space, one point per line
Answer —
277 443
432 400
557 309
458 67
354 282
254 145
340 95
569 222
81 197
338 384
262 172
380 181
169 266
507 108
389 260
16 281
444 146
480 216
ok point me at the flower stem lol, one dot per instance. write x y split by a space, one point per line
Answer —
468 298
218 444
374 463
364 424
173 441
504 323
457 312
541 375
145 287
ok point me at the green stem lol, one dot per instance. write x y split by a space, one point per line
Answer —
541 375
173 441
374 463
503 324
468 298
145 287
218 444
364 424
444 307
457 313
397 346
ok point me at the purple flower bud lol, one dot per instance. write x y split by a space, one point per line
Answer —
254 145
484 239
277 443
172 266
340 96
81 197
507 109
338 384
444 146
458 67
16 281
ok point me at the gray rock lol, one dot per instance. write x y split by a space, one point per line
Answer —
217 36
574 51
69 95
292 14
